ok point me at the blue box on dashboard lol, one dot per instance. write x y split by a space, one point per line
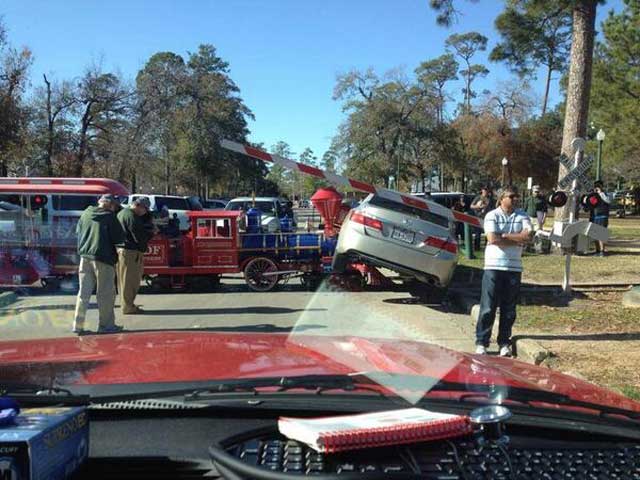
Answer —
44 444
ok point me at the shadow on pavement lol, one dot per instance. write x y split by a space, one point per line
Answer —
228 311
69 307
262 328
595 337
435 305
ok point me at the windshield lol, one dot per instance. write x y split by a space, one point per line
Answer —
442 205
73 202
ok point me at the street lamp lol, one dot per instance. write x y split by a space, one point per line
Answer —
505 162
600 137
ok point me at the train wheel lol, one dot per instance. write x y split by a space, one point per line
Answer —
214 282
311 281
50 284
198 283
160 284
254 274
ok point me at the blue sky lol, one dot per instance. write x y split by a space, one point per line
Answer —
283 54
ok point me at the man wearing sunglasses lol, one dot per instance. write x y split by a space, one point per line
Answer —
507 229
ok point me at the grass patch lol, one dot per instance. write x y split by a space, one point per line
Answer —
593 312
621 265
631 392
593 336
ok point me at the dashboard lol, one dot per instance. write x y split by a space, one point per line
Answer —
192 445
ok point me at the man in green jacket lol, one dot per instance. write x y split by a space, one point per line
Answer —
138 230
536 207
98 233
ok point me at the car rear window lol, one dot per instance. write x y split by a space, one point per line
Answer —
380 202
73 202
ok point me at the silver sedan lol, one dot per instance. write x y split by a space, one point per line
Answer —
402 238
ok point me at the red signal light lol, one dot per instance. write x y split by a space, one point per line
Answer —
558 199
591 201
38 201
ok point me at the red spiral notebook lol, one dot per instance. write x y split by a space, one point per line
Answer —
394 427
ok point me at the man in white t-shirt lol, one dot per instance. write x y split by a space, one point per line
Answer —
507 229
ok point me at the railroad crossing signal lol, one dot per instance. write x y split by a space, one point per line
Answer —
579 172
591 201
558 199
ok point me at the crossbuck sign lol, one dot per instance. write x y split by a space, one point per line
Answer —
579 172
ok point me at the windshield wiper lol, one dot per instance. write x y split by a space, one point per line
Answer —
527 396
367 381
317 383
41 394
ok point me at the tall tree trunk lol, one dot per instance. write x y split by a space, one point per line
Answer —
134 181
546 91
468 92
167 187
50 123
82 153
82 148
579 87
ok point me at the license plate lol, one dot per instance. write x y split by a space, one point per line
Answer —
403 235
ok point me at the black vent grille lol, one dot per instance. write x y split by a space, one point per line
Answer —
147 404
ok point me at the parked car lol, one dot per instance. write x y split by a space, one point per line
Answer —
195 203
446 199
623 203
213 204
175 204
408 240
271 208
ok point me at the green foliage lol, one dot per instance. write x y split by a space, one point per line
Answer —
447 13
189 106
394 129
434 75
534 33
466 45
615 97
14 67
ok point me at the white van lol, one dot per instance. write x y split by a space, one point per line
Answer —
175 204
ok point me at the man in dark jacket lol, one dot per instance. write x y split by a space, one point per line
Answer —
536 207
98 233
138 230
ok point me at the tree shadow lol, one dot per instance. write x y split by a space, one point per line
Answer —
257 328
18 310
227 311
587 337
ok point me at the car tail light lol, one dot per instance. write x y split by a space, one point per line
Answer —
366 221
442 243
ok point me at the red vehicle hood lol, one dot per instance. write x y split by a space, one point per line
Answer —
175 356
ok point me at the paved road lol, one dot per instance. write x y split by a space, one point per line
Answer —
390 314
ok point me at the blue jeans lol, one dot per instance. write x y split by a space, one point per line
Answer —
499 289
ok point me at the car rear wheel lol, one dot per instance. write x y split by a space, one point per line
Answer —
340 262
